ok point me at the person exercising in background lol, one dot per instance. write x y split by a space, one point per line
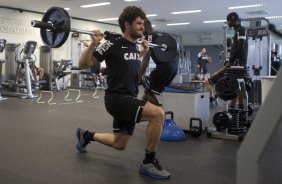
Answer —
162 75
123 60
275 62
94 70
203 59
238 57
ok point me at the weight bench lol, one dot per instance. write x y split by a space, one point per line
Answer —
187 103
197 83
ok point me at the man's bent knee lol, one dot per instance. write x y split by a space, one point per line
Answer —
160 116
119 147
120 142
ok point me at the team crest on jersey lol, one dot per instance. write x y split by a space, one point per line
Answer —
103 48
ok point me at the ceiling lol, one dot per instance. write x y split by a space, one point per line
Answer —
211 10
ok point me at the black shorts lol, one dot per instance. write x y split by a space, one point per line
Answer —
126 111
203 68
162 76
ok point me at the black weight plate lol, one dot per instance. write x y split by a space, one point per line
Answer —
227 88
170 53
222 120
250 110
60 18
237 73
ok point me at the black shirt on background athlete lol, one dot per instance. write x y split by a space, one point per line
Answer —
202 61
239 47
123 62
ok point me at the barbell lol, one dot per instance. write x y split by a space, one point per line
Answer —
55 27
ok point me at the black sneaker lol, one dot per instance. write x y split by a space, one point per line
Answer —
81 143
154 170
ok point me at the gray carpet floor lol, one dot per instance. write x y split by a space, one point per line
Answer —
37 143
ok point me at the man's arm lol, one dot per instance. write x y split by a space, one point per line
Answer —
199 59
145 48
87 59
145 62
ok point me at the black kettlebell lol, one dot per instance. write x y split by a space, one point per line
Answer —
196 130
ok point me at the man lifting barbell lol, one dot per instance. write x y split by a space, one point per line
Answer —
55 27
123 62
164 72
238 57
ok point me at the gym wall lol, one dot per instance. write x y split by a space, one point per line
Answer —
203 38
15 27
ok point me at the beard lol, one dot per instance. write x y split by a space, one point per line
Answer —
134 34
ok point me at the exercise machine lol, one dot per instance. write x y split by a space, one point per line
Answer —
24 63
250 154
61 70
2 47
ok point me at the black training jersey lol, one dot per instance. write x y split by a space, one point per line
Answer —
202 58
239 47
123 62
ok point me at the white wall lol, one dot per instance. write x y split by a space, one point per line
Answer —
15 27
206 38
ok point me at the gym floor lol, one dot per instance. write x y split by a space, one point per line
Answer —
38 146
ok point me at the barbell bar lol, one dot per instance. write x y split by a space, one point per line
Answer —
50 26
55 27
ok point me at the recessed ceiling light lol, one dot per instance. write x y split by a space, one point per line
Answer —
178 24
259 12
213 21
184 12
94 5
151 15
107 19
274 17
67 8
245 6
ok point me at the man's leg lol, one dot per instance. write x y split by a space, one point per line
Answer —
210 88
151 166
159 78
204 72
118 141
155 116
209 84
134 111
